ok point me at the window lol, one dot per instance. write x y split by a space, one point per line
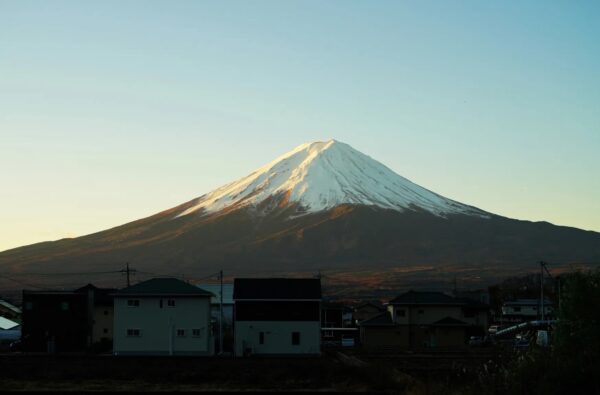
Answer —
171 303
295 338
401 313
64 306
196 332
133 303
261 338
180 332
517 309
133 333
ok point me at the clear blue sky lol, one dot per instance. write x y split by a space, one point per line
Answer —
114 110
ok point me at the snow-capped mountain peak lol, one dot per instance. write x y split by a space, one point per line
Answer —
321 175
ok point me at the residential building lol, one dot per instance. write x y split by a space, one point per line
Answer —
337 328
162 316
64 321
367 310
277 316
520 310
430 320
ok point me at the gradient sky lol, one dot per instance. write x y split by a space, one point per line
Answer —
114 110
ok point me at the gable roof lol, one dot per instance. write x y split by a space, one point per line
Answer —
383 319
277 289
163 286
6 324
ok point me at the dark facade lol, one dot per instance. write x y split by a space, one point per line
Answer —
277 316
60 321
425 320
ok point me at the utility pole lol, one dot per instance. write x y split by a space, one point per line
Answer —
221 314
128 271
542 287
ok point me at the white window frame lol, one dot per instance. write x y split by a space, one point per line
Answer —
199 332
169 303
177 331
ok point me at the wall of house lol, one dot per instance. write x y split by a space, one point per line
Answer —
374 338
103 323
158 326
54 322
277 337
448 337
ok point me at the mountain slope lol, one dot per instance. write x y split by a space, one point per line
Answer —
321 207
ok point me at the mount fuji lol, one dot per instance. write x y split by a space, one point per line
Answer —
322 207
322 175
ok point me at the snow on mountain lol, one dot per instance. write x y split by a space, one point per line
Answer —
322 175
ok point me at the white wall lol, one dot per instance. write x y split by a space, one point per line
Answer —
278 337
158 326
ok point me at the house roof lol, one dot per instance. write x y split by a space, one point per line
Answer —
383 319
449 321
6 324
163 286
277 288
10 306
433 299
215 289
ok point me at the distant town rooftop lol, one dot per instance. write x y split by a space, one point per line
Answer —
431 298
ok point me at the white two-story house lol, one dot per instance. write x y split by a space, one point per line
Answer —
277 316
162 316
